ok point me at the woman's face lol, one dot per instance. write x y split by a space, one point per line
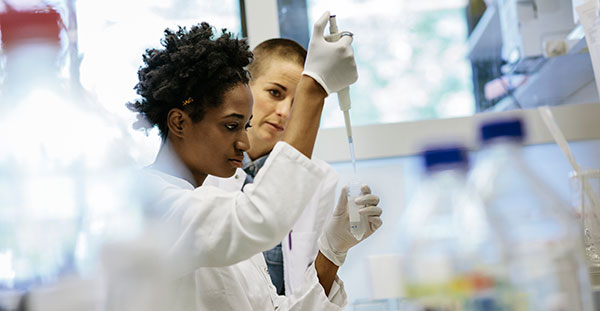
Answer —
215 144
273 93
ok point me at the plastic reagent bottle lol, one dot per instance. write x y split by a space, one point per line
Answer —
67 185
541 237
452 258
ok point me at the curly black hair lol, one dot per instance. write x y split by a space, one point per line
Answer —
192 64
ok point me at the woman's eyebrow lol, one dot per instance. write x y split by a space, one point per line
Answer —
279 85
234 115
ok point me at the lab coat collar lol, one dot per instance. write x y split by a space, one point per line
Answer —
179 182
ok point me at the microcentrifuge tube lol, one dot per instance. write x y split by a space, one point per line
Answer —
356 227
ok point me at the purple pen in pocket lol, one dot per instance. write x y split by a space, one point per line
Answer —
290 239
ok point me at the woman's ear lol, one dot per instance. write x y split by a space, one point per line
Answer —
177 120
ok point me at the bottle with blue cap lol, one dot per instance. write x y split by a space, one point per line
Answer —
544 254
451 255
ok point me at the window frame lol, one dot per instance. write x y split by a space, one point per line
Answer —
408 137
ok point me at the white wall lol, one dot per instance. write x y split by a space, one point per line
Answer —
578 122
262 21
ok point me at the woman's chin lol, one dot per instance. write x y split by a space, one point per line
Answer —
225 173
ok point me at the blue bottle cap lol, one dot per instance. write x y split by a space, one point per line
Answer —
507 128
442 158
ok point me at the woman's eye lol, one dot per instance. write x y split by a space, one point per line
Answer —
248 125
275 93
231 126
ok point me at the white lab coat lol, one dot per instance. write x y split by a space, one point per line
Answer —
247 286
229 230
299 248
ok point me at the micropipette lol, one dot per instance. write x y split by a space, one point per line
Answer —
356 227
344 98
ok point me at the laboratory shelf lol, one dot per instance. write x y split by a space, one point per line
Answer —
485 41
577 35
558 78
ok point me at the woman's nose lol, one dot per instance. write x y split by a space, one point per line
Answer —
243 143
283 108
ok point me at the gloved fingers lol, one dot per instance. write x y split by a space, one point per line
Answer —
372 218
342 206
370 211
340 37
346 38
320 24
375 223
367 200
365 189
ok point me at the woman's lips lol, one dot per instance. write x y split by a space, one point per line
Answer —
275 126
236 163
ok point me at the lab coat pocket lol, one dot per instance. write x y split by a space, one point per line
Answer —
301 252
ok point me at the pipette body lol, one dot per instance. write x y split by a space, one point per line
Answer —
344 95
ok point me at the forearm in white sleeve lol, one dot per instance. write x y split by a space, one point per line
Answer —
218 228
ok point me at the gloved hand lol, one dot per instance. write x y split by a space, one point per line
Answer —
331 64
337 239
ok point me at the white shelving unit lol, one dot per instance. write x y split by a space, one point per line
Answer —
560 77
486 38
557 81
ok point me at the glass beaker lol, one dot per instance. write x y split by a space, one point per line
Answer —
585 189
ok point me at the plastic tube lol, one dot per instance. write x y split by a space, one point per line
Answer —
356 227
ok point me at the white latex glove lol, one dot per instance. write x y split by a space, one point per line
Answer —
337 239
331 64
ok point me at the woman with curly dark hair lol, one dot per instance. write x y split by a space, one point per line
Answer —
195 90
276 69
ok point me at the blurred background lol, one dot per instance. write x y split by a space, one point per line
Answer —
429 71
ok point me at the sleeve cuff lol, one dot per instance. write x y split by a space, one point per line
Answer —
319 80
311 295
337 294
327 251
